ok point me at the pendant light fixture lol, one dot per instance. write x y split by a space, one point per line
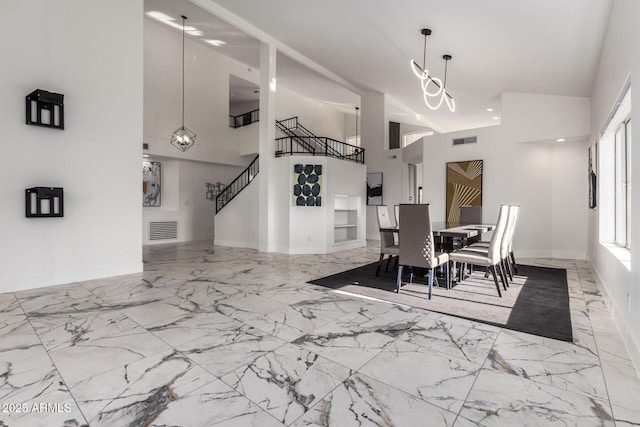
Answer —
357 137
432 87
182 138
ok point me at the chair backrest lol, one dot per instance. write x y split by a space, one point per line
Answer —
470 215
516 213
496 239
416 236
396 211
506 236
384 220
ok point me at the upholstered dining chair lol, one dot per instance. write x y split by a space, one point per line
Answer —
507 267
470 215
396 211
491 258
417 246
388 245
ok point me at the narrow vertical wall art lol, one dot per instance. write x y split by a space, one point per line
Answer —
464 187
151 181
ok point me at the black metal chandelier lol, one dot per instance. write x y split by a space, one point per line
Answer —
182 138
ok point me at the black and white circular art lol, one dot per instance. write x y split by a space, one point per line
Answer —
307 185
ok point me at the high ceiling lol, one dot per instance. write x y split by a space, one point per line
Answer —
534 46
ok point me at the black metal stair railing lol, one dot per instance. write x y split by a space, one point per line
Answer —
317 140
286 126
289 146
238 184
244 119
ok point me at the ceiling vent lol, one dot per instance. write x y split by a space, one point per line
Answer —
467 140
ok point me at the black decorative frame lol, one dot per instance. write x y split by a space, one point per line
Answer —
44 202
593 175
45 108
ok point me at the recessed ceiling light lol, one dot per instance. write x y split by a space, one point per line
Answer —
166 19
496 118
560 140
490 110
215 42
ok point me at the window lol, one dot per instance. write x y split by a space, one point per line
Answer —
410 138
622 193
614 179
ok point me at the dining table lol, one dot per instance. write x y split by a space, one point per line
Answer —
446 231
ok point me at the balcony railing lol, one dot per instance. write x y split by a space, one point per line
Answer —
327 147
244 119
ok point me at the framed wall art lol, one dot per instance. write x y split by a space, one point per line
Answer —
464 187
151 183
374 189
307 185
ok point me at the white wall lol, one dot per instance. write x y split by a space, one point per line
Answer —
46 44
183 198
620 58
321 119
525 166
299 229
236 224
206 98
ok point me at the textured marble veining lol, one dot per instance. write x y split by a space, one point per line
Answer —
211 336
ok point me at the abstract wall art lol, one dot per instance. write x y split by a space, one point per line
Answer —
374 189
464 187
307 185
593 174
151 181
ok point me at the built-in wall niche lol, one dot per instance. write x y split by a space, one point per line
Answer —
346 218
44 202
244 102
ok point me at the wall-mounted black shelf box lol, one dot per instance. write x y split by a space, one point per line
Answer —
44 202
45 109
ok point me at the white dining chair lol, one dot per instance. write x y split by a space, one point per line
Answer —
492 257
388 246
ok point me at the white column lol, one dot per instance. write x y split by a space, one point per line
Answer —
378 157
266 199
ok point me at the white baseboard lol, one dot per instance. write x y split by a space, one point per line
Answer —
235 244
549 254
24 283
633 348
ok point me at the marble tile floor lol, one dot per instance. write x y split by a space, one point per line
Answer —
214 336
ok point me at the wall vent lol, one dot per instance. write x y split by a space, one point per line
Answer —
145 146
163 230
467 140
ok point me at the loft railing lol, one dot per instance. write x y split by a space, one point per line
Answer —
302 145
238 184
330 147
317 140
244 119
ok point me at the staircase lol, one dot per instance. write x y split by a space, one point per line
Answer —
238 184
300 140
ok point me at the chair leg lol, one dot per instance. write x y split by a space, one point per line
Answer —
507 268
379 264
388 262
430 281
399 280
492 269
503 275
448 275
513 261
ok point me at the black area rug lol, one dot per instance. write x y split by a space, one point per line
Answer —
537 302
